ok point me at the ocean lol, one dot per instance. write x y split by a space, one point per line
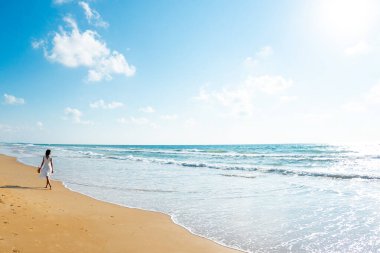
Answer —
257 198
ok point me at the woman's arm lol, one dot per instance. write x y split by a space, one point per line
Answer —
42 163
52 167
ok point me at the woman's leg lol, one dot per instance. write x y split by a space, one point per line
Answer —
48 183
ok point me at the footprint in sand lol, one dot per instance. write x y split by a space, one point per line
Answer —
15 250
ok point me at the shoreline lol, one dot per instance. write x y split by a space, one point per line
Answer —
151 210
87 223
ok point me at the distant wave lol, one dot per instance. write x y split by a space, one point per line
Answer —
241 176
227 165
216 152
234 154
319 174
249 168
223 154
305 173
119 188
296 155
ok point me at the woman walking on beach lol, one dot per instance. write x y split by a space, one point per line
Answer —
46 167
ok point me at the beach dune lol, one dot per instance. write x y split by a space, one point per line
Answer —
34 219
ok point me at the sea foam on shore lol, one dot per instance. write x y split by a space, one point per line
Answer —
265 198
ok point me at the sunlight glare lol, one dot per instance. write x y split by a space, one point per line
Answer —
347 19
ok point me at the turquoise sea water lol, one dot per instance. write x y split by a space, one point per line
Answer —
257 198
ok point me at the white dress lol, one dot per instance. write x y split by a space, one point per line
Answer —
46 168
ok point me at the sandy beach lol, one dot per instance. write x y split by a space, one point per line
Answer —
34 219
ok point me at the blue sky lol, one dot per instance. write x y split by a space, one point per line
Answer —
189 72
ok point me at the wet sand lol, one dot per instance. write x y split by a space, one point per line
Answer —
34 219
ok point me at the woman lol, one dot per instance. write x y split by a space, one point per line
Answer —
46 167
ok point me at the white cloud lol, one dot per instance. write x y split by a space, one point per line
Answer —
61 1
190 123
354 107
269 84
141 121
364 101
373 95
75 115
239 101
147 109
358 49
103 105
122 120
252 62
93 17
75 49
5 128
40 125
287 99
265 52
169 116
203 95
317 117
12 100
36 44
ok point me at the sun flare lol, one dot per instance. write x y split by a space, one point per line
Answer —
347 19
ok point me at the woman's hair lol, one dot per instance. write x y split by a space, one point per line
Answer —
47 153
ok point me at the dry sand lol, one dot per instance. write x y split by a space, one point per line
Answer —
34 219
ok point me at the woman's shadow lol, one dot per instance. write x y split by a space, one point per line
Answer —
21 187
